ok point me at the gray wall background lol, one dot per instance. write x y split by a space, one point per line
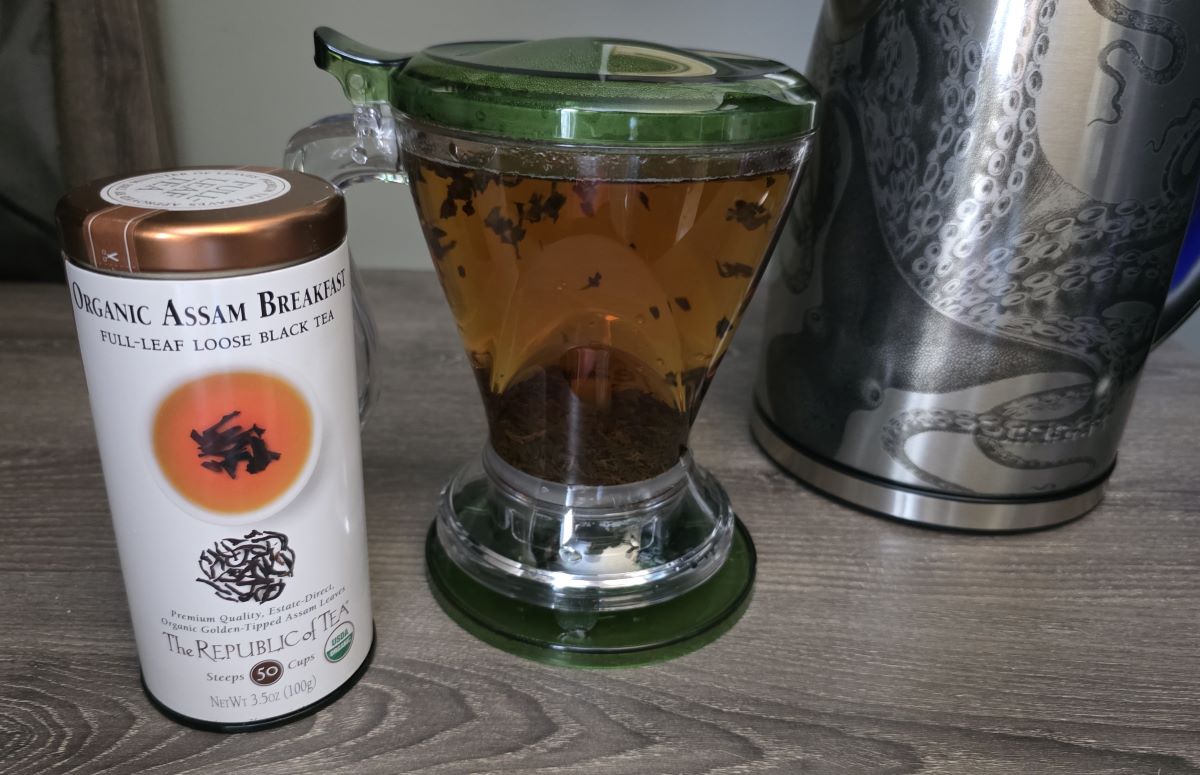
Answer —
241 77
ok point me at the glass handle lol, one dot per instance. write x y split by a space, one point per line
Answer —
349 148
352 147
346 149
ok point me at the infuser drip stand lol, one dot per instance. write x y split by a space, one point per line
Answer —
581 547
623 634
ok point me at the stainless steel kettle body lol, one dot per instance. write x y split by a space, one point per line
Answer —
975 269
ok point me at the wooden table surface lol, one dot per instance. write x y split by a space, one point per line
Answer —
870 646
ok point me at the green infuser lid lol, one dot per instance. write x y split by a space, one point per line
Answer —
582 91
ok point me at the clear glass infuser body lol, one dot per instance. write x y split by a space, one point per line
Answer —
598 213
595 291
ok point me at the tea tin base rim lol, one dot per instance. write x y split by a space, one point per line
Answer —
267 723
893 500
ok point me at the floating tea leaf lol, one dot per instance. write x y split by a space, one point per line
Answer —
734 269
434 236
547 207
509 232
752 215
586 191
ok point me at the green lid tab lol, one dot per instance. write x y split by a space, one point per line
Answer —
581 91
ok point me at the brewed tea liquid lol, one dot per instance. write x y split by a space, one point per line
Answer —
594 312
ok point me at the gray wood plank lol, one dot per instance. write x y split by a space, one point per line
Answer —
870 646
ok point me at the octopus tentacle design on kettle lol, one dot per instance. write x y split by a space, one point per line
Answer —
973 275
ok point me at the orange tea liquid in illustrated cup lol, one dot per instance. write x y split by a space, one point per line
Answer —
235 445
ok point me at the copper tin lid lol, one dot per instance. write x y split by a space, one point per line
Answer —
201 220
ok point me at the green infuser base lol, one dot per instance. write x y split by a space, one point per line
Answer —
629 638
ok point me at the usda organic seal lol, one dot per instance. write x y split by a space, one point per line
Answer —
337 645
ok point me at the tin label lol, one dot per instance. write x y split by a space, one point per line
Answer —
227 419
203 189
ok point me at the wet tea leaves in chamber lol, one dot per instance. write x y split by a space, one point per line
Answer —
590 309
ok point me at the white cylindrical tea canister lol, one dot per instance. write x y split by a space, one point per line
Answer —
216 326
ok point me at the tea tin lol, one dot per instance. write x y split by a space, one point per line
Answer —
216 326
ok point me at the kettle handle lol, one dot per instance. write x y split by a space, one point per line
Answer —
349 148
1184 296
